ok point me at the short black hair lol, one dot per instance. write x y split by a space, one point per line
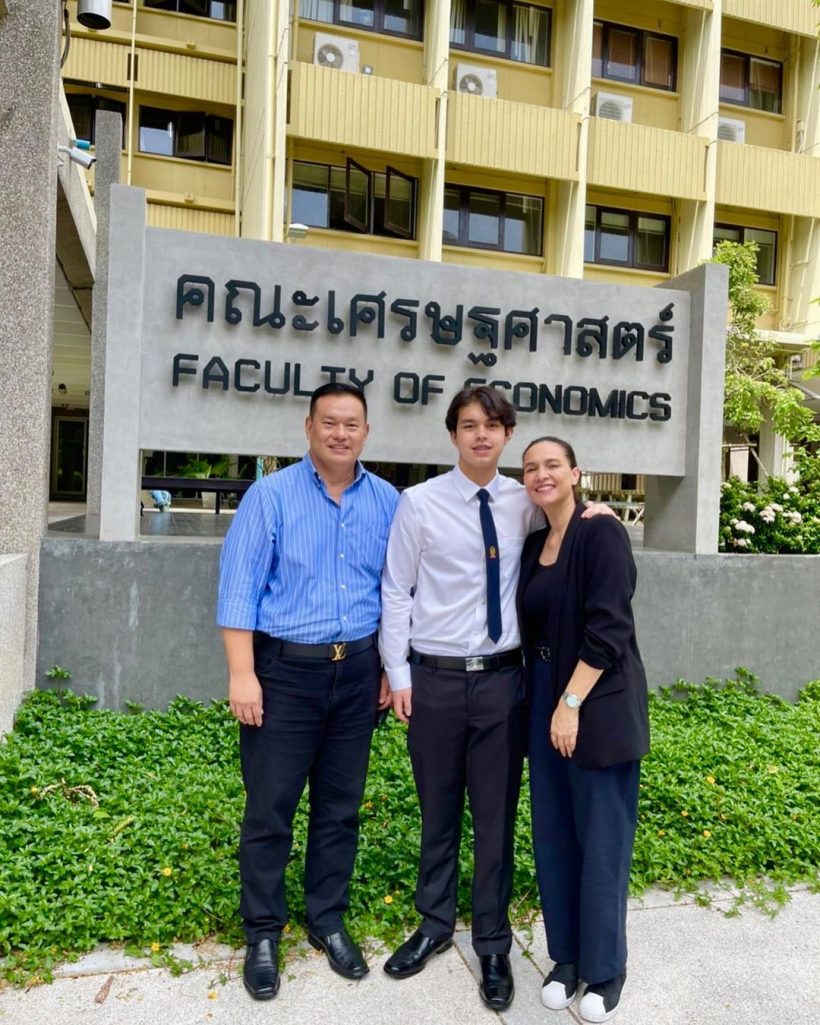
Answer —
337 388
495 405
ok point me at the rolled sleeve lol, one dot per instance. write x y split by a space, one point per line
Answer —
245 563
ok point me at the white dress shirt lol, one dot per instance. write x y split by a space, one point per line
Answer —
434 585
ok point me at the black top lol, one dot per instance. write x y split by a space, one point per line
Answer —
540 599
593 621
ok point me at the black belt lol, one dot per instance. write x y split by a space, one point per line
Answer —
337 651
473 664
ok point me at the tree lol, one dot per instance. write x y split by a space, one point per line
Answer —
757 386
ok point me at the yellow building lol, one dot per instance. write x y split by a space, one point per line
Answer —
614 141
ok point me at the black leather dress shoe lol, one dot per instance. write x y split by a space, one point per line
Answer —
261 971
343 955
497 988
413 954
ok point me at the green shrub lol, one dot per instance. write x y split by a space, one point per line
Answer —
123 827
781 518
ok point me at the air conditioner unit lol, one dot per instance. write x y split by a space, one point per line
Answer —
336 52
731 130
476 81
613 106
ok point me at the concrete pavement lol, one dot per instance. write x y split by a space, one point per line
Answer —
689 965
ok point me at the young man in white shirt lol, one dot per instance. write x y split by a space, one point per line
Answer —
450 644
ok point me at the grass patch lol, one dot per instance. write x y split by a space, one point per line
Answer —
123 827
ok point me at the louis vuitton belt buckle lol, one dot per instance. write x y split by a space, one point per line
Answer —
339 651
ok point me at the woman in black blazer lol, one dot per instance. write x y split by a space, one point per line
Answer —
589 728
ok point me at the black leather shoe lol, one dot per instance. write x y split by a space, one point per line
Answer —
413 954
261 971
497 988
343 955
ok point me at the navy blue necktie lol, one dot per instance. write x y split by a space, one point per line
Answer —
491 557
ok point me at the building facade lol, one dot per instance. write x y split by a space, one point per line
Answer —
615 142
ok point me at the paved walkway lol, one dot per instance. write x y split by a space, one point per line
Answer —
689 965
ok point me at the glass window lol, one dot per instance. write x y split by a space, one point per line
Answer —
352 198
516 31
766 242
493 220
219 10
751 81
390 17
626 238
627 54
191 135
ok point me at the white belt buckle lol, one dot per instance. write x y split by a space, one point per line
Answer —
474 665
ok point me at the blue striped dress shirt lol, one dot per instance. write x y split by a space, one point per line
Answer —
299 566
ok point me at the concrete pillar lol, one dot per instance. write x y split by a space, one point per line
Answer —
436 74
29 60
573 78
682 512
108 136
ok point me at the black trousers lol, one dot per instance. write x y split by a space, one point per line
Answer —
467 734
583 823
318 719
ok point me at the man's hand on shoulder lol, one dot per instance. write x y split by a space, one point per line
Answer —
403 704
245 698
597 509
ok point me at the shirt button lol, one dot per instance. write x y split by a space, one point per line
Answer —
341 555
343 586
342 526
344 618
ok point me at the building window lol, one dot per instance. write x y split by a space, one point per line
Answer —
751 81
389 17
220 11
352 198
626 238
766 242
518 32
482 219
186 134
626 54
84 109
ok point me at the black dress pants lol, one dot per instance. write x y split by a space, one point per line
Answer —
467 734
318 719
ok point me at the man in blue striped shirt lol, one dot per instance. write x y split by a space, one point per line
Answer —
299 608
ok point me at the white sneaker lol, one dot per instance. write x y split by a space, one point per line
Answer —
600 1001
558 990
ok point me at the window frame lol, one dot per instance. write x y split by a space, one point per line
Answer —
95 101
747 79
388 230
148 6
464 242
378 21
633 215
175 116
743 228
642 36
468 46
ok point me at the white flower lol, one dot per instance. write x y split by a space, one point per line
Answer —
793 490
732 522
742 525
748 507
776 507
768 514
725 486
793 516
740 542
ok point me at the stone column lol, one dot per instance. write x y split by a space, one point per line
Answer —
29 69
108 136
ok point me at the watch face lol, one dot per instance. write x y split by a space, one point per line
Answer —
572 700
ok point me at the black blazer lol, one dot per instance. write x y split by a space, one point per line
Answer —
594 622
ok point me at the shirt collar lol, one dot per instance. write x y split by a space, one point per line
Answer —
468 489
316 477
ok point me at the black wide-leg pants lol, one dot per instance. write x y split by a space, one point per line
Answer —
467 734
583 823
318 719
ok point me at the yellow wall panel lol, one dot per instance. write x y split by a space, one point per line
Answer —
515 137
762 129
792 15
91 60
194 77
362 111
488 258
389 57
637 158
184 177
184 219
767 179
353 242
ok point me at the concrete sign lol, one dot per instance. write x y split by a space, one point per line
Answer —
215 344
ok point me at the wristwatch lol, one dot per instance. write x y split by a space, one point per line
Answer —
571 700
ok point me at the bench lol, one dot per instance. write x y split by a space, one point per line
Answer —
219 485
